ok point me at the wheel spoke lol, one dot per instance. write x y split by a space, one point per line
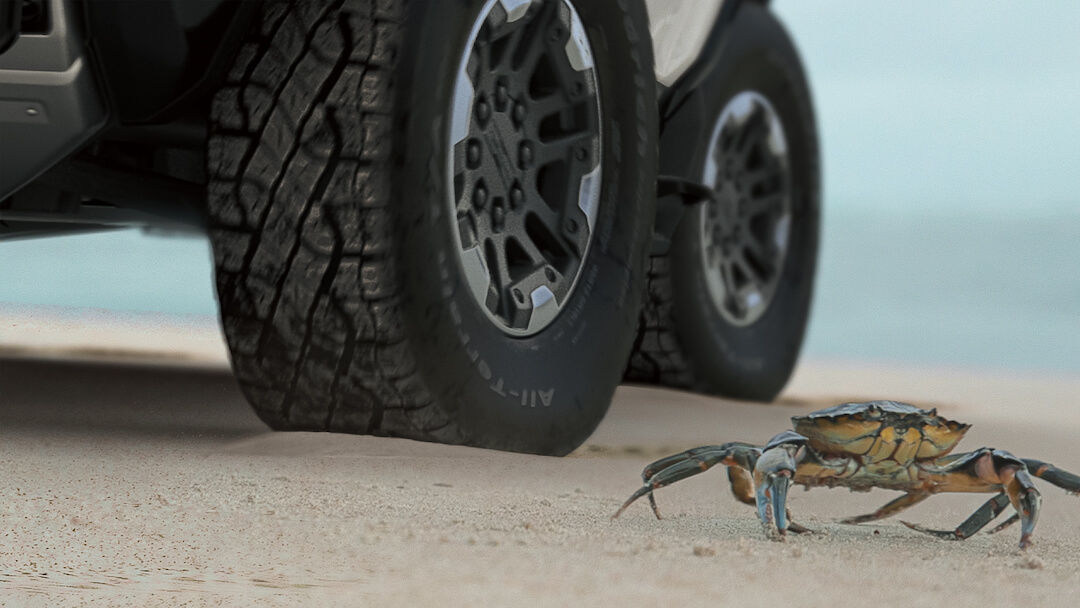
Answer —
762 174
547 105
531 47
485 63
756 127
545 213
566 148
768 203
761 252
538 258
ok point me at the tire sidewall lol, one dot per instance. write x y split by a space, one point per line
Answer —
753 361
546 392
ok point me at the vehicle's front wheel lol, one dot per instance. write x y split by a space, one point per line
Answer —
431 222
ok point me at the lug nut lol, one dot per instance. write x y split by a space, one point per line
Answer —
483 110
525 155
472 155
571 226
581 154
502 95
550 273
519 112
520 297
498 216
517 197
480 196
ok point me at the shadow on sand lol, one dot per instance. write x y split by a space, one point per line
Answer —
122 398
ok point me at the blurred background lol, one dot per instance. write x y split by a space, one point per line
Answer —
951 146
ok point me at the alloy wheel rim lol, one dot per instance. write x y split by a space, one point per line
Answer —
745 232
524 164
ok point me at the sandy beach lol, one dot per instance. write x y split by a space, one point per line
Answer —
136 475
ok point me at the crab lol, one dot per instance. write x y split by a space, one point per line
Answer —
877 444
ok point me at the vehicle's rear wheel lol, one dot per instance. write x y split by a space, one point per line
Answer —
432 222
727 306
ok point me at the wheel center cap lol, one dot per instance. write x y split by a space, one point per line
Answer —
727 207
504 143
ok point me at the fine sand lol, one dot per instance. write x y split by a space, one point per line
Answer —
143 479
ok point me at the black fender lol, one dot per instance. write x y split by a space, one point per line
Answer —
157 58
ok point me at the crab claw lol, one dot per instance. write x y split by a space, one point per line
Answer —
1029 514
773 493
772 478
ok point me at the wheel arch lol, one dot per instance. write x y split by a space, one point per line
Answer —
156 59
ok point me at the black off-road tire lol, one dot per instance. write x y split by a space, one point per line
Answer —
341 293
682 340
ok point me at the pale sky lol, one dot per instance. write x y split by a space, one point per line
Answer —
957 105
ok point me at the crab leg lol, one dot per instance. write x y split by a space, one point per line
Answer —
1005 524
1043 470
999 471
1026 499
667 471
1059 477
700 459
977 521
742 486
889 509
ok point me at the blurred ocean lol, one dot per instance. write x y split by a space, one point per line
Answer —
986 290
997 290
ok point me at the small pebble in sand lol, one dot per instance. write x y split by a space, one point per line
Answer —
702 551
1030 562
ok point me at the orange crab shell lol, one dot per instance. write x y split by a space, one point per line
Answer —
879 431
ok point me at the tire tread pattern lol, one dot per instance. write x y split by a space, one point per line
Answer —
658 357
302 226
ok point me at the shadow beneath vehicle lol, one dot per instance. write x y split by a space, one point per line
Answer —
122 398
